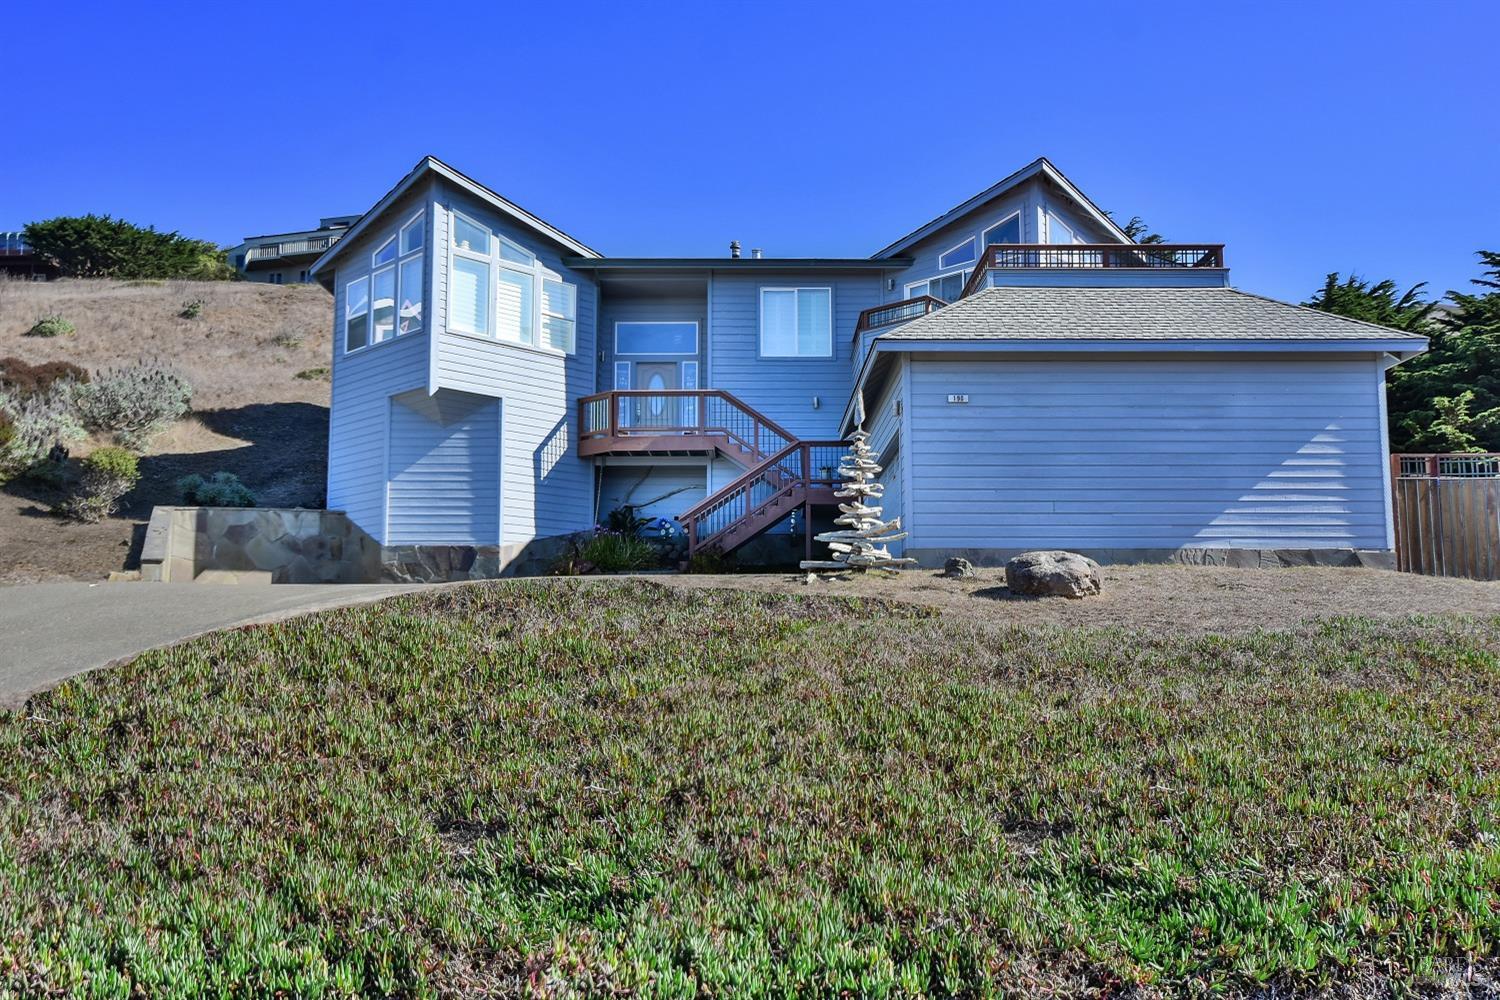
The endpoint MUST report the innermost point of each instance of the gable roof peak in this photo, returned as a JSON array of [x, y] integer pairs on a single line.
[[1039, 167]]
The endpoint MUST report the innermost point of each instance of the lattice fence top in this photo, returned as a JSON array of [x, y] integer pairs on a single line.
[[1456, 465]]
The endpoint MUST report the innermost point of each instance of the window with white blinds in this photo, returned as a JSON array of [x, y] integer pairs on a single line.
[[530, 304], [796, 322]]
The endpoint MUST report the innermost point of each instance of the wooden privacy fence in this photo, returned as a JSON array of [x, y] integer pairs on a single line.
[[1447, 511]]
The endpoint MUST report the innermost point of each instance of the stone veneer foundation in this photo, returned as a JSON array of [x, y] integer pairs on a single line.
[[281, 545]]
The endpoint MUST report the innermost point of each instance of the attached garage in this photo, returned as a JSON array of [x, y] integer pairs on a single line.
[[1136, 423], [443, 470]]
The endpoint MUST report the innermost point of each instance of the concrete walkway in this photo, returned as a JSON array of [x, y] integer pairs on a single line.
[[51, 631]]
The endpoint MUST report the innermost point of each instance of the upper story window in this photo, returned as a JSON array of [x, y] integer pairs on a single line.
[[947, 287], [964, 253], [1059, 231], [497, 288], [1005, 231], [656, 338], [796, 322], [388, 303]]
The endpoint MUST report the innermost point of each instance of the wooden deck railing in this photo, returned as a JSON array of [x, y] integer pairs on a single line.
[[1148, 256], [270, 251], [679, 413], [896, 312], [799, 465]]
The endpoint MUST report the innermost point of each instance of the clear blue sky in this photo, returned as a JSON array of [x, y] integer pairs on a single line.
[[1308, 137]]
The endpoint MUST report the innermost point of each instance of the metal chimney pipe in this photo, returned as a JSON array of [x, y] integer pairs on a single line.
[[757, 253], [734, 249]]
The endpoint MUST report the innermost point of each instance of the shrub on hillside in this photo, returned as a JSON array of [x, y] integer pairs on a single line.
[[97, 246], [191, 309], [24, 380], [134, 404], [51, 326], [38, 423], [222, 489], [108, 474]]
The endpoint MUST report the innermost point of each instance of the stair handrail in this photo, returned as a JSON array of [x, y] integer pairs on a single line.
[[744, 479], [725, 494]]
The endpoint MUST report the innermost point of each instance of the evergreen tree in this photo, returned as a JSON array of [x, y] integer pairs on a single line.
[[97, 246]]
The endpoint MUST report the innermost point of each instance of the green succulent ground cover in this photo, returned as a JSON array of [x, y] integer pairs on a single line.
[[620, 787]]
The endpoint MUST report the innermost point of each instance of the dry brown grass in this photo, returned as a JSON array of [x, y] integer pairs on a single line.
[[252, 415], [234, 353], [1168, 599]]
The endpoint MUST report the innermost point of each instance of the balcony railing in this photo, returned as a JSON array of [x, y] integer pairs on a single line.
[[13, 245], [290, 248], [896, 312], [1138, 256]]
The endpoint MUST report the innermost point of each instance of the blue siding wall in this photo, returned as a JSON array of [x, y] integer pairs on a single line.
[[1246, 452], [678, 486], [884, 425], [783, 388], [635, 308], [444, 470], [548, 489], [363, 383]]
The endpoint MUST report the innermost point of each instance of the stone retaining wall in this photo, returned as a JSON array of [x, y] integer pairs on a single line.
[[284, 545]]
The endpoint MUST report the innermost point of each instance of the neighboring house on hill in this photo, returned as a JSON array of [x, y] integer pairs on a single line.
[[286, 258], [18, 260], [1032, 379]]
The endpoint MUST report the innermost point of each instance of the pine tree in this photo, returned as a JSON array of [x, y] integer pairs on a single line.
[[861, 543]]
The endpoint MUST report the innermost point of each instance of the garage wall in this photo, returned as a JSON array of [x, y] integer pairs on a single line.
[[1148, 453]]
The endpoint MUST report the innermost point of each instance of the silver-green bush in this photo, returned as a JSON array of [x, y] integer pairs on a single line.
[[135, 403], [37, 423], [222, 489]]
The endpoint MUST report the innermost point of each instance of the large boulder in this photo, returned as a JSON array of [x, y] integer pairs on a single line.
[[1055, 573]]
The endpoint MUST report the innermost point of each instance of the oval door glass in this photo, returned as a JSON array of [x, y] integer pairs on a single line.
[[657, 383]]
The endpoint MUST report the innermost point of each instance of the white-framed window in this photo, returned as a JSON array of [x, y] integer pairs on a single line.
[[796, 322], [947, 287], [963, 253], [390, 298], [357, 314], [1007, 230], [497, 288], [654, 338]]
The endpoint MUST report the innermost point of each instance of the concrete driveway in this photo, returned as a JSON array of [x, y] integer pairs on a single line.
[[51, 631]]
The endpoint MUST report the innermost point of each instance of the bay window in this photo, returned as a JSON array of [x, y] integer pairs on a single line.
[[499, 289], [796, 322], [388, 302]]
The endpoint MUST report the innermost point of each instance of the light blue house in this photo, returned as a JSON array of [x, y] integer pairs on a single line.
[[1033, 379]]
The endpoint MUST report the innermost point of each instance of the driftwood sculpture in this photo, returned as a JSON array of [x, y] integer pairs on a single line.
[[861, 543]]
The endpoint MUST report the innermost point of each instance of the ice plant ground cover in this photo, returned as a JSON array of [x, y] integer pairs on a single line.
[[560, 786]]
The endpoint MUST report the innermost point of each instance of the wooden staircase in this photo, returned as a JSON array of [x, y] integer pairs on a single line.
[[799, 476], [782, 472]]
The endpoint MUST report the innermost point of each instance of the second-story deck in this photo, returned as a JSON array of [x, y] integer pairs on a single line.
[[309, 247]]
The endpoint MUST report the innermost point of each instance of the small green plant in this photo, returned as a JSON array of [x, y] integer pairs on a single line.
[[134, 404], [625, 521], [191, 309], [320, 374], [52, 325], [108, 474], [613, 552], [222, 489], [287, 340]]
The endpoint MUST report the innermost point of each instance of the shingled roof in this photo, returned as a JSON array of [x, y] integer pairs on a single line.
[[1136, 314]]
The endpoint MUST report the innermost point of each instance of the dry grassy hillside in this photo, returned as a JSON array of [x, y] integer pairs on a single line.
[[251, 415]]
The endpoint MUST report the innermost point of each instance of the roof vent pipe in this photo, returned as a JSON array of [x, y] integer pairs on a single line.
[[757, 253], [734, 249]]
